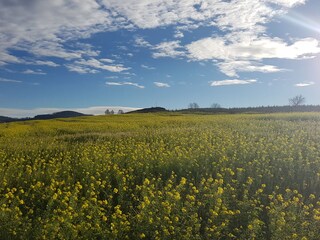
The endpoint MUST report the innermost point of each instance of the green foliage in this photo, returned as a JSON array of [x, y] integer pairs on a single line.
[[161, 176]]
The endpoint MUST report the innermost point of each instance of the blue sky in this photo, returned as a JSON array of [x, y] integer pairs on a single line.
[[86, 55]]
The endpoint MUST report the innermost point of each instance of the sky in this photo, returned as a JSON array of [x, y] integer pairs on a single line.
[[92, 54]]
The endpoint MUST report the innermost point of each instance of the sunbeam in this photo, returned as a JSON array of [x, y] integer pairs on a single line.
[[303, 21]]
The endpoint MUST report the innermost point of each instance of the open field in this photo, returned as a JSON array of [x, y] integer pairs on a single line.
[[161, 176]]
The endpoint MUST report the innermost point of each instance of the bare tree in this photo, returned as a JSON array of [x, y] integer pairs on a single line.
[[193, 105], [215, 105], [297, 100]]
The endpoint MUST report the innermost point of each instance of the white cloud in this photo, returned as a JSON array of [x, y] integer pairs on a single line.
[[80, 69], [111, 77], [178, 34], [45, 63], [5, 57], [248, 47], [141, 42], [9, 80], [125, 84], [164, 49], [288, 3], [50, 28], [147, 67], [304, 84], [95, 63], [36, 72], [161, 85], [168, 49], [151, 14], [231, 82], [244, 52], [107, 60], [43, 28], [230, 68], [129, 73]]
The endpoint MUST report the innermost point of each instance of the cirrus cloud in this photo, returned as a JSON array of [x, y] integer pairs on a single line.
[[231, 82], [5, 80], [161, 85], [304, 84], [125, 84]]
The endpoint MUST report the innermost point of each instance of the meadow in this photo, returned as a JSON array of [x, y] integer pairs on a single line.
[[161, 176]]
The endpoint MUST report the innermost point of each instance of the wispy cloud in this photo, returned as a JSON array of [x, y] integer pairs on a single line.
[[304, 84], [231, 82], [178, 34], [9, 80], [231, 68], [147, 67], [125, 84], [80, 69], [95, 63], [107, 60], [42, 63], [161, 85], [35, 72], [46, 63], [141, 42], [111, 77], [168, 49]]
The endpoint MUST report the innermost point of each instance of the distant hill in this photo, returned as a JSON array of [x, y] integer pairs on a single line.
[[6, 119], [63, 114], [150, 110]]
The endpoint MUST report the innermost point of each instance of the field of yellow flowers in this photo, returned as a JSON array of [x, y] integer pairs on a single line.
[[161, 176]]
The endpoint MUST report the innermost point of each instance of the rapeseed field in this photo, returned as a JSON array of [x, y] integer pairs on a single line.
[[161, 176]]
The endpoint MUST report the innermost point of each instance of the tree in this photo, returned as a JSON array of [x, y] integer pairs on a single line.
[[215, 105], [120, 111], [107, 112], [193, 105], [111, 112], [297, 100]]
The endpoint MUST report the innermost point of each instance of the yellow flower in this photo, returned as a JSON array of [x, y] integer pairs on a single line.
[[183, 181], [142, 235], [220, 190]]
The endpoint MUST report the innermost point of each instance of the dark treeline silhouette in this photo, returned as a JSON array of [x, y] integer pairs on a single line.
[[261, 109]]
